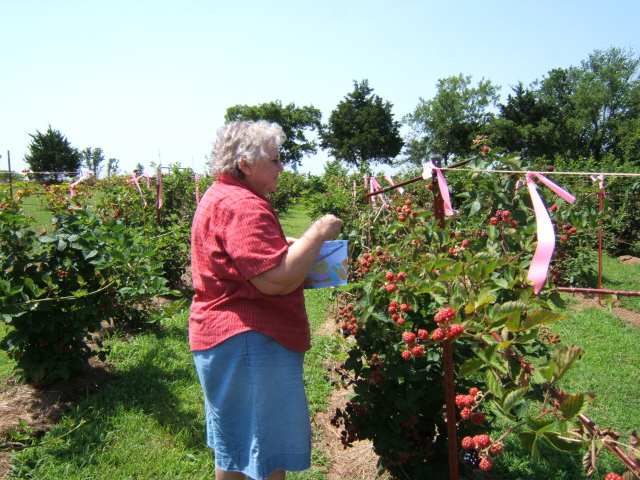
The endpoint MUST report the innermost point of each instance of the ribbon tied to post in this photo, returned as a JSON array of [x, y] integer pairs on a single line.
[[546, 235], [429, 168]]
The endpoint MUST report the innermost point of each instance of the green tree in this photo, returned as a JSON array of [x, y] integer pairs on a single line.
[[361, 130], [447, 124], [52, 152], [579, 112], [92, 159], [112, 167], [295, 121]]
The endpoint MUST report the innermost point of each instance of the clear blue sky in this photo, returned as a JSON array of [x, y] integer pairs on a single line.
[[150, 81]]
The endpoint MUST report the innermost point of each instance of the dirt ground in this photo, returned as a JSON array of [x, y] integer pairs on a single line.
[[43, 408]]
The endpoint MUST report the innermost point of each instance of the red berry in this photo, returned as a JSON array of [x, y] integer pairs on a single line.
[[506, 214], [402, 218], [430, 186], [554, 208], [402, 276], [390, 287], [493, 221], [437, 335], [465, 413], [564, 238], [390, 276], [612, 476], [473, 391], [349, 307], [485, 149], [468, 443], [496, 449], [455, 331], [392, 309], [398, 209], [460, 400], [482, 441], [465, 243], [406, 354], [401, 321], [404, 307], [418, 351], [407, 203], [478, 418], [409, 337], [485, 464], [572, 230], [550, 168], [423, 334], [514, 224]]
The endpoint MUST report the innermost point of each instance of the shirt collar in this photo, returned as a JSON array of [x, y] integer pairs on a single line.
[[239, 182]]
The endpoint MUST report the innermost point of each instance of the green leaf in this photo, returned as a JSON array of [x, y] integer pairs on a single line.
[[470, 366], [494, 383], [544, 373], [565, 357], [573, 405], [540, 425], [539, 317], [529, 442], [562, 444], [47, 239], [527, 337], [512, 398], [62, 245]]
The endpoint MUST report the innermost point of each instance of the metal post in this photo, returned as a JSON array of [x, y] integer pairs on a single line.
[[10, 178], [447, 357]]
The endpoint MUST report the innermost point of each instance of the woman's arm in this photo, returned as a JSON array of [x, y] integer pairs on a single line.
[[297, 261]]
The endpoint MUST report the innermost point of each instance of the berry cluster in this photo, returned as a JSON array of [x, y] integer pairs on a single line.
[[349, 324], [405, 211], [469, 407], [568, 231], [480, 450], [369, 260], [413, 341], [503, 216], [446, 329], [396, 310]]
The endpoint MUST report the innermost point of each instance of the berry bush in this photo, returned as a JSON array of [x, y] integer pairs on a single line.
[[417, 284], [58, 288]]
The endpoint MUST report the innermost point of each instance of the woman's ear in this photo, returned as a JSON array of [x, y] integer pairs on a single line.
[[244, 166]]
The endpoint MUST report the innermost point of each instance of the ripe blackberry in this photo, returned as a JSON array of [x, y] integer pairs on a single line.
[[471, 458]]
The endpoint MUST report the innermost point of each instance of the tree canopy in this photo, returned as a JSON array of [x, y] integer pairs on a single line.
[[52, 152], [92, 159], [447, 124], [361, 130], [295, 121], [579, 112]]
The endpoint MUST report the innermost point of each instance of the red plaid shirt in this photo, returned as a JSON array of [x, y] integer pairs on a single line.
[[235, 236]]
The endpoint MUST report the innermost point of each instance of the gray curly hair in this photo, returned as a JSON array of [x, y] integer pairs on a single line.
[[246, 140]]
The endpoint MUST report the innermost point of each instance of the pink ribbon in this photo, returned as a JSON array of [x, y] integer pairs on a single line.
[[159, 191], [86, 175], [599, 178], [546, 236], [388, 178], [135, 179], [197, 189], [442, 185], [374, 187]]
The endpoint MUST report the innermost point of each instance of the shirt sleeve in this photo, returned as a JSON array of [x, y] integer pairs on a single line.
[[253, 239]]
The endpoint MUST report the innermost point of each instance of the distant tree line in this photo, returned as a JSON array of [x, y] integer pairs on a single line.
[[586, 112]]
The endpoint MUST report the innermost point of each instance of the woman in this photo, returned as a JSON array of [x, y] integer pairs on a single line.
[[248, 328]]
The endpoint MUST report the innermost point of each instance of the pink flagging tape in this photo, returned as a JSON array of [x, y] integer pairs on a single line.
[[539, 267], [159, 202], [375, 186], [442, 186], [135, 179], [86, 175], [388, 178]]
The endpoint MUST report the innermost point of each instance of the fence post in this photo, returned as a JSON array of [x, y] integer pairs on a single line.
[[447, 358]]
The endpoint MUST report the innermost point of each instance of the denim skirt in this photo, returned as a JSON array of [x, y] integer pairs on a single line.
[[257, 415]]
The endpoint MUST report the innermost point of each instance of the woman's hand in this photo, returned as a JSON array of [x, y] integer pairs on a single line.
[[295, 264]]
